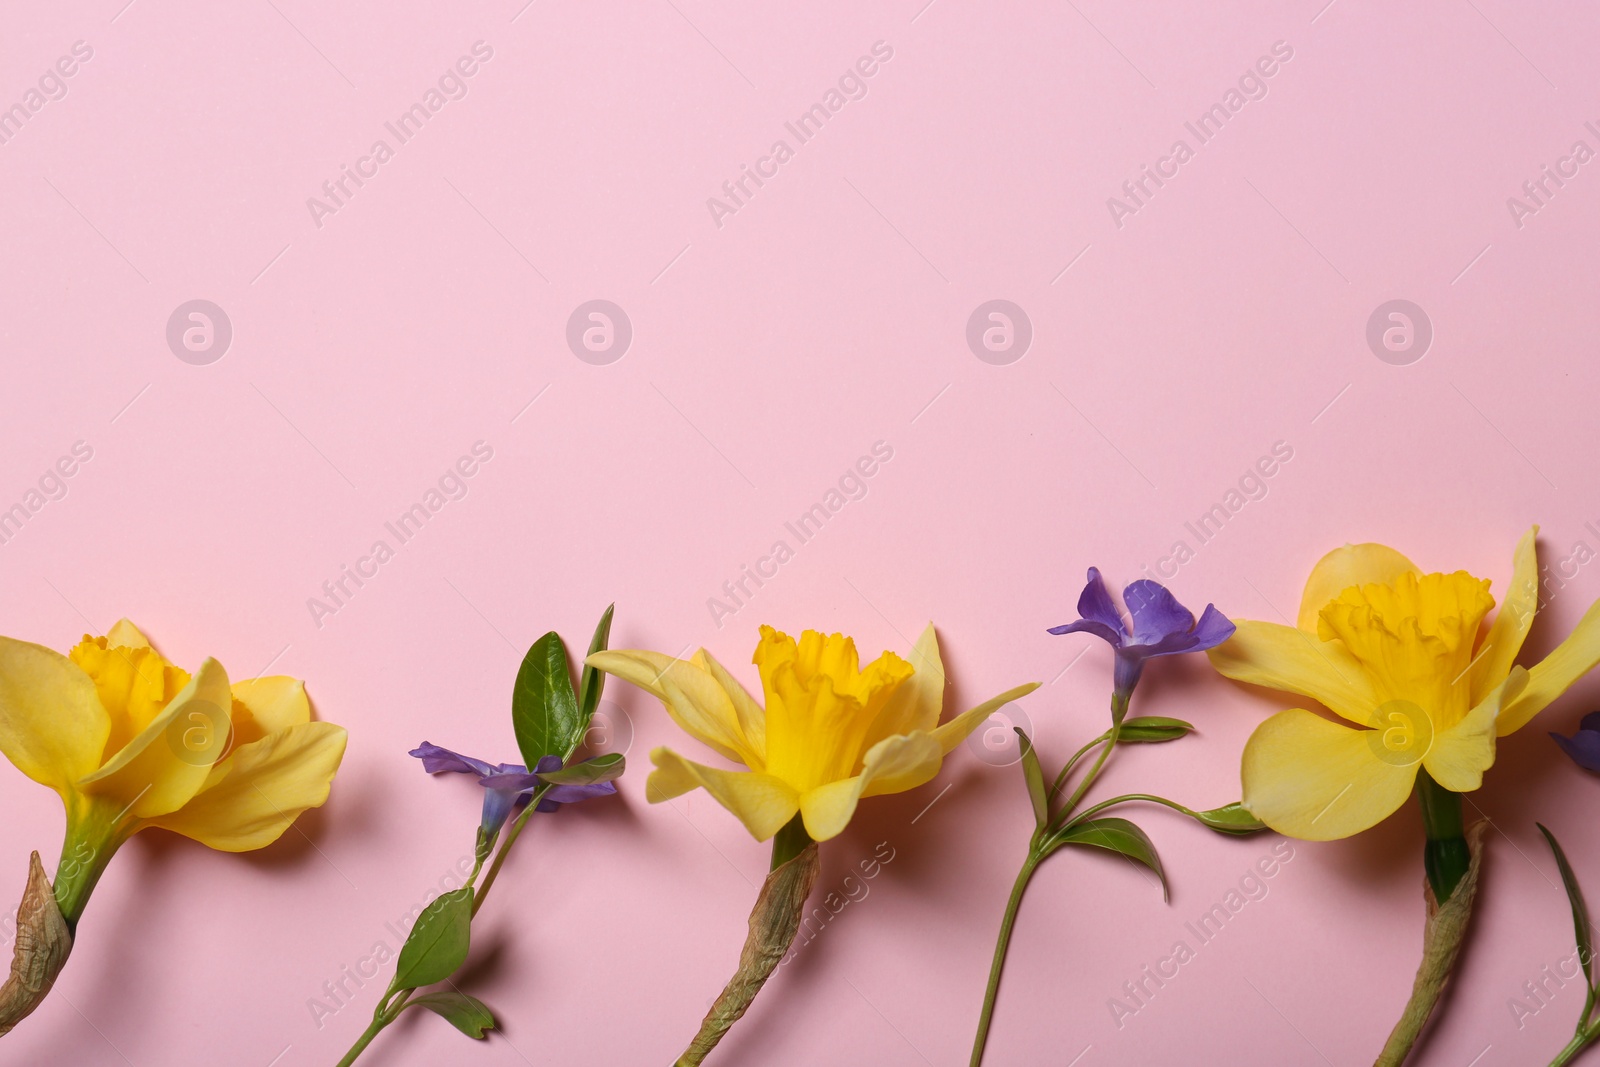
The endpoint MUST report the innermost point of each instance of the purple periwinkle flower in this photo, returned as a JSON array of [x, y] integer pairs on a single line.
[[508, 786], [1583, 746], [1161, 627]]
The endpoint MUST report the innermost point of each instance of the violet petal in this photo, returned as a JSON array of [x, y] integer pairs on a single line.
[[436, 760]]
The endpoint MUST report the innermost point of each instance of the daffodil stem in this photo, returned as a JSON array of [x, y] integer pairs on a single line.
[[1001, 947], [1445, 856], [94, 833], [789, 842]]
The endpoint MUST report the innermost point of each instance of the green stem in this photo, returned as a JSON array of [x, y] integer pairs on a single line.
[[1061, 779], [1579, 1042], [1094, 772], [394, 1001], [789, 842], [378, 1023], [1002, 945], [505, 848], [1104, 804], [1445, 856], [95, 830]]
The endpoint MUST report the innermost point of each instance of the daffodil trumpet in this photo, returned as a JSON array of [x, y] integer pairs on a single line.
[[551, 721], [1158, 626], [831, 733], [1420, 684], [129, 742]]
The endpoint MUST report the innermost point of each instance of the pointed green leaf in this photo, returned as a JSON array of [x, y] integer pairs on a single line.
[[591, 681], [544, 711], [1153, 728], [1033, 774], [467, 1014], [1118, 835], [1580, 910], [606, 768], [1232, 818], [438, 942]]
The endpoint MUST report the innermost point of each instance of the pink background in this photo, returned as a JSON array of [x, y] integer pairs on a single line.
[[828, 313]]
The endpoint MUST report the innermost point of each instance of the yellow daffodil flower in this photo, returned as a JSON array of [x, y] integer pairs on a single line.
[[130, 741], [831, 733], [1405, 658]]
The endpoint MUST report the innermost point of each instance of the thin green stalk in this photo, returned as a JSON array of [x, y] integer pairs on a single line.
[[1580, 1041], [1587, 1032], [372, 1031], [1038, 849], [394, 1001], [1089, 779], [1104, 804], [1002, 945], [505, 848], [1061, 779]]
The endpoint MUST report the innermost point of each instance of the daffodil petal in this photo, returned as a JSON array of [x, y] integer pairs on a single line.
[[1551, 676], [253, 796], [1511, 623], [1283, 657], [263, 706], [893, 765], [916, 702], [167, 762], [126, 635], [1345, 566], [1317, 780], [1462, 753], [752, 719], [52, 724], [957, 729], [690, 694], [761, 801]]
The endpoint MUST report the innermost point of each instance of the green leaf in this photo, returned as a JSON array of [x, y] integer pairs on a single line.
[[1580, 910], [467, 1014], [1153, 728], [1118, 835], [438, 943], [1232, 818], [1033, 774], [591, 681], [544, 712], [606, 768]]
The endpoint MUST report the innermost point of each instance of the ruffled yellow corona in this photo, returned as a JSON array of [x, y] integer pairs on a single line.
[[830, 734], [130, 741], [1407, 660]]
